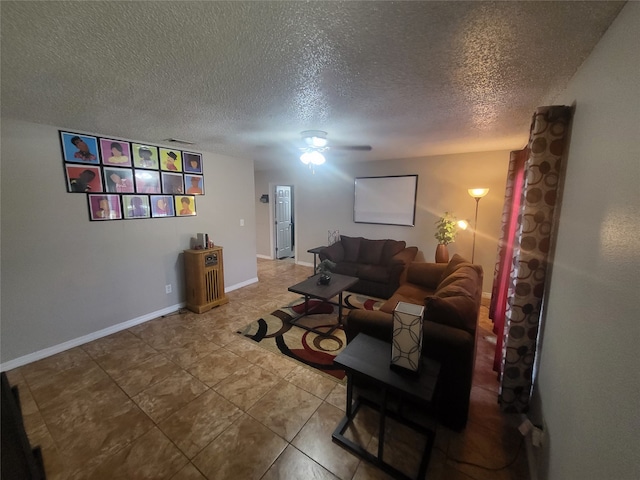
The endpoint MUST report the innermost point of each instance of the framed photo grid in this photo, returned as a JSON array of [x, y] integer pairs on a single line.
[[131, 180]]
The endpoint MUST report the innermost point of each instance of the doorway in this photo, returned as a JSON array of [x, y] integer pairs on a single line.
[[284, 221]]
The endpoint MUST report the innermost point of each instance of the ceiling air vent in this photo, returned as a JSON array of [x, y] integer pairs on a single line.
[[177, 140]]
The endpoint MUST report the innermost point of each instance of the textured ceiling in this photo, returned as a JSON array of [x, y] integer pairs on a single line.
[[245, 78]]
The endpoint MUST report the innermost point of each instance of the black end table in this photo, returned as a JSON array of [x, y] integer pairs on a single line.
[[315, 251], [369, 357]]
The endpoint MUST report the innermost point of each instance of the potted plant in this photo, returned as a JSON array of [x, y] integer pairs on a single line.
[[446, 231], [324, 269]]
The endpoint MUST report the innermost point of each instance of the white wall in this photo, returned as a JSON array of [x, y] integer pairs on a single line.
[[324, 201], [64, 277], [589, 378]]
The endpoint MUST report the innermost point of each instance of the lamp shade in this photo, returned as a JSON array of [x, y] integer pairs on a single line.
[[478, 192], [315, 158]]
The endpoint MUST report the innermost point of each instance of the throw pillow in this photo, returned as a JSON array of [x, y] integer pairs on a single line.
[[453, 265], [457, 312], [351, 247], [334, 252], [371, 251], [465, 276], [391, 248]]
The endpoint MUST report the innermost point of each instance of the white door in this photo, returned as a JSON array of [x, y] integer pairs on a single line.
[[284, 223]]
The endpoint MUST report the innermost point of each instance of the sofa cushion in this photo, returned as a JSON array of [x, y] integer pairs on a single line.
[[371, 251], [334, 252], [453, 265], [458, 311], [425, 274], [465, 277], [346, 268], [351, 247], [373, 273], [391, 248]]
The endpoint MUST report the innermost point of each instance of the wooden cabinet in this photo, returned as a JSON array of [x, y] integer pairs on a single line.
[[204, 275]]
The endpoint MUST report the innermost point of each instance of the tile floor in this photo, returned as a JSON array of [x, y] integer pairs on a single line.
[[182, 397]]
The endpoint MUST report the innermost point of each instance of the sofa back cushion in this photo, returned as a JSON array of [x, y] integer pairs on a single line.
[[457, 311], [371, 251], [391, 248], [453, 265], [351, 247], [425, 274], [334, 252]]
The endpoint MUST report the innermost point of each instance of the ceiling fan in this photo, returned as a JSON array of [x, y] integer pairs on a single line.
[[316, 142]]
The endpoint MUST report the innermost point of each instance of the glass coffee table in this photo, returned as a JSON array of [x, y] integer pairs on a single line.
[[368, 358], [310, 288]]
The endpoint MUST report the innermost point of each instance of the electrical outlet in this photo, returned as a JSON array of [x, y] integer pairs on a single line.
[[242, 222], [167, 288]]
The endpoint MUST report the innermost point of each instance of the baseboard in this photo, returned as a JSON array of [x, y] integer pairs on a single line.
[[240, 285], [305, 264], [47, 352], [265, 257], [486, 295], [531, 458]]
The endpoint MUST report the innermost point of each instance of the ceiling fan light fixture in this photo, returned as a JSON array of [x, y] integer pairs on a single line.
[[314, 158], [315, 138]]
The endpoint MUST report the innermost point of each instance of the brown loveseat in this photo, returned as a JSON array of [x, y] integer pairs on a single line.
[[378, 264], [451, 294]]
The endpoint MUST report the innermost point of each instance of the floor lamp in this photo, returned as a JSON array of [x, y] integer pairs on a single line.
[[476, 193]]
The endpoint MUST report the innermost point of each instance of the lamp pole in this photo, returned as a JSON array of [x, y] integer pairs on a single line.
[[475, 224], [477, 194]]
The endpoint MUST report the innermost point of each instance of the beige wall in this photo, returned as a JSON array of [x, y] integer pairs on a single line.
[[324, 201], [65, 279], [588, 387]]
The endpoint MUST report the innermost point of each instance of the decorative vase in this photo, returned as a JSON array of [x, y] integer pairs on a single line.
[[442, 253]]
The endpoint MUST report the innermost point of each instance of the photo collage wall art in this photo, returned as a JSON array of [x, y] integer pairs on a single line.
[[129, 180]]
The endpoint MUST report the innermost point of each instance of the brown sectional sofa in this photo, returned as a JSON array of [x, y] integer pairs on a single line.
[[378, 264], [451, 294]]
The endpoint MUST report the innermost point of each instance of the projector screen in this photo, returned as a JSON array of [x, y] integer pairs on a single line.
[[386, 200]]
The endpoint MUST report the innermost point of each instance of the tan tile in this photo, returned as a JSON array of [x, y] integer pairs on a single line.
[[118, 352], [162, 399], [194, 426], [188, 472], [227, 457], [151, 457], [305, 378], [88, 406], [314, 440], [87, 444], [274, 363], [190, 352], [295, 465], [43, 369], [62, 387], [217, 366], [403, 447], [480, 445], [338, 396], [143, 375], [245, 387], [285, 409], [368, 471]]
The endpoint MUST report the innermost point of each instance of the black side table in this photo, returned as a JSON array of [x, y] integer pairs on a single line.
[[369, 357], [315, 251]]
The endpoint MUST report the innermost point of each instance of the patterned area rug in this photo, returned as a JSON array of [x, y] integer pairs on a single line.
[[274, 331]]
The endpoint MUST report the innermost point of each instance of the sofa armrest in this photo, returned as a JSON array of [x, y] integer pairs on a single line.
[[399, 263], [425, 274], [374, 323], [334, 252], [455, 350]]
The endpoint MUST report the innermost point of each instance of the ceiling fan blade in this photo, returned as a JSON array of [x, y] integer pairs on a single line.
[[362, 148]]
